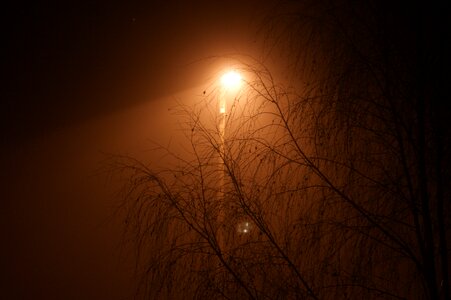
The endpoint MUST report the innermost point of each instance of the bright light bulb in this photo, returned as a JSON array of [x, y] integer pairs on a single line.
[[231, 79]]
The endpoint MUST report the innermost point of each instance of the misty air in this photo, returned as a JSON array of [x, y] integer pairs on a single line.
[[199, 149]]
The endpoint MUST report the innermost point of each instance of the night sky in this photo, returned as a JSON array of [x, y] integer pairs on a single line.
[[85, 80], [81, 80]]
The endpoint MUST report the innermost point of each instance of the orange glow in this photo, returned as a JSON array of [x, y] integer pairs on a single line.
[[231, 80]]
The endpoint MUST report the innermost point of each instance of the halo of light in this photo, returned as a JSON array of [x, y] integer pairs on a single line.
[[231, 79]]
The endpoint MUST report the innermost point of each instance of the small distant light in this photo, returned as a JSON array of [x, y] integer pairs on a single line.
[[231, 79], [244, 227]]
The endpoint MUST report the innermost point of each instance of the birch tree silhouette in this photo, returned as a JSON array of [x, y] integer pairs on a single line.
[[335, 184]]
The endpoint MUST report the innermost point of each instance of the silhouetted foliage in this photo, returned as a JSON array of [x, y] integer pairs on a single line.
[[332, 182]]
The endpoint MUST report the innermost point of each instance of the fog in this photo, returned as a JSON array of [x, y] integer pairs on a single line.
[[85, 82], [64, 240], [335, 157]]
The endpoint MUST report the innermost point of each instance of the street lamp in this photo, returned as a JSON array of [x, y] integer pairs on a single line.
[[230, 82]]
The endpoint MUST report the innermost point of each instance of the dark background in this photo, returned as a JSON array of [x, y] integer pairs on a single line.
[[81, 79], [71, 61]]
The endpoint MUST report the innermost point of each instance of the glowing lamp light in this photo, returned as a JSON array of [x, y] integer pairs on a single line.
[[231, 80], [244, 227]]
